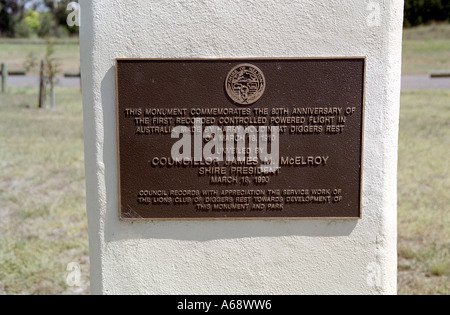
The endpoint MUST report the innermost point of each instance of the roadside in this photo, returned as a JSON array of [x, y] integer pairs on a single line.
[[42, 206], [32, 81], [426, 49], [421, 82], [423, 199], [409, 82], [43, 224]]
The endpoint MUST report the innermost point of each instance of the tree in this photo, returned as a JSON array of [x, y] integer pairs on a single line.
[[32, 19], [15, 21], [63, 13], [11, 12], [424, 11], [58, 9], [14, 7], [52, 5], [47, 25], [52, 68], [5, 21]]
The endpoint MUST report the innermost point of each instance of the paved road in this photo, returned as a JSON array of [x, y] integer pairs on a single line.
[[424, 82], [409, 82], [33, 81]]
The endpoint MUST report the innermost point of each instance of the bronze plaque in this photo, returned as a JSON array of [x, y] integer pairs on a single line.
[[308, 113]]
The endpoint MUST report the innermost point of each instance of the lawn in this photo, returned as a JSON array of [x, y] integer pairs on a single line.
[[42, 198], [43, 223], [14, 52], [423, 200], [426, 49]]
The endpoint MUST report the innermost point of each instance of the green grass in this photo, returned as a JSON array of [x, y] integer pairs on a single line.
[[14, 52], [424, 57], [42, 203], [424, 202], [40, 41], [426, 49], [42, 198]]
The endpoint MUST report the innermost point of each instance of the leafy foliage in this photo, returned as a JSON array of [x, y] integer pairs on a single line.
[[43, 18], [424, 11], [31, 18]]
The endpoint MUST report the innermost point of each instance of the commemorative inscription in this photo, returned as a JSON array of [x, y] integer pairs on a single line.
[[240, 139]]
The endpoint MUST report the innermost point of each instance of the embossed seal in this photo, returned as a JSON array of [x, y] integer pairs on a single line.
[[245, 84]]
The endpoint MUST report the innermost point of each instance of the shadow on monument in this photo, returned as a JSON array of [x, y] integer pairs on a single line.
[[191, 230]]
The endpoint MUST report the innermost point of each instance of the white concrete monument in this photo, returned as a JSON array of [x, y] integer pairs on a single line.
[[224, 254]]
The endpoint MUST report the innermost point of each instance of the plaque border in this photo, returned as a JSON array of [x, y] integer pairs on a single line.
[[247, 59]]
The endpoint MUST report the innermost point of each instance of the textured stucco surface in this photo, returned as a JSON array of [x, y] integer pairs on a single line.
[[242, 257]]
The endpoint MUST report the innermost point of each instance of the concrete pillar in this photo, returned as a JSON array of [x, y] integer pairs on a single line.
[[254, 256]]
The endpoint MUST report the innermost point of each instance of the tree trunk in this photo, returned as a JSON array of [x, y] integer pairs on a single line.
[[42, 86], [55, 16]]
